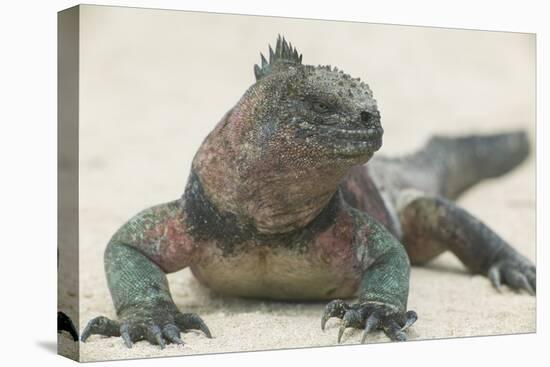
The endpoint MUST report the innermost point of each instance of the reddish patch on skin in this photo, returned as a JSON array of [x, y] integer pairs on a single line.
[[361, 193], [335, 247], [161, 236], [177, 247]]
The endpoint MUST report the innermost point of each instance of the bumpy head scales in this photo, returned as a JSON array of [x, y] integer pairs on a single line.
[[283, 56], [318, 107]]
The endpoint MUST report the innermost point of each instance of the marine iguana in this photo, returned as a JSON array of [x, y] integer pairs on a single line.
[[280, 204]]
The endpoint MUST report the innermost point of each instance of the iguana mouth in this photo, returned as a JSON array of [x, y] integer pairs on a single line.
[[369, 134], [347, 142], [361, 134], [357, 148], [356, 142]]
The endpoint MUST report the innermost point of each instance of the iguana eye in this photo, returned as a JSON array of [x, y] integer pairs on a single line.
[[320, 107]]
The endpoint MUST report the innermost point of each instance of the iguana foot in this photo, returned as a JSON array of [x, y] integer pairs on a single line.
[[515, 271], [369, 316], [158, 327]]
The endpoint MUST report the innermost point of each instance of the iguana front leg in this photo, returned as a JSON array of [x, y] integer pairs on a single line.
[[137, 258], [382, 302], [433, 224]]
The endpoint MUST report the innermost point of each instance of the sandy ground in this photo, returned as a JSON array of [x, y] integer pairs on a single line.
[[154, 83]]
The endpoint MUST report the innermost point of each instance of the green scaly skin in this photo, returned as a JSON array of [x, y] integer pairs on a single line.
[[135, 265]]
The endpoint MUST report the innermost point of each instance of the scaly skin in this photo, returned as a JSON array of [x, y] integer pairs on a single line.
[[279, 205]]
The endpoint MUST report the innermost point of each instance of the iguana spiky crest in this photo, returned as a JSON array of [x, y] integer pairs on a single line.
[[283, 56]]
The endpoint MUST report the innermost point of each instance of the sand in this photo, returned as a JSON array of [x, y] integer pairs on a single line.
[[146, 105]]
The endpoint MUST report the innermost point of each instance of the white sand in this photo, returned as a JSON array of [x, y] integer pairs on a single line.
[[154, 83]]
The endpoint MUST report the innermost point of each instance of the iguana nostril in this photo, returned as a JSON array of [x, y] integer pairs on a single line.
[[366, 116]]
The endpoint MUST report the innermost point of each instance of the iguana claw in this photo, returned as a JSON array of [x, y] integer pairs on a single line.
[[515, 271], [369, 316], [136, 329], [335, 308], [370, 325]]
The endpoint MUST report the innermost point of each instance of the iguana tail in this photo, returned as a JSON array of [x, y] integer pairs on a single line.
[[459, 163]]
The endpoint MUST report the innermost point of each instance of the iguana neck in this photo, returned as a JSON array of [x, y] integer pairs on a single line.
[[270, 193]]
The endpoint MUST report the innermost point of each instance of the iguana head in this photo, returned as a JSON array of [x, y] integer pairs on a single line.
[[291, 137], [322, 109]]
